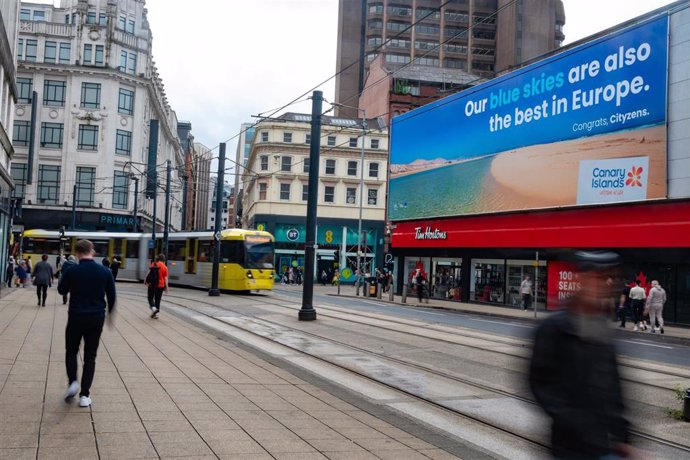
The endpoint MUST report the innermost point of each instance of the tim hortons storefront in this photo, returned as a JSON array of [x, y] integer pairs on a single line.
[[483, 259]]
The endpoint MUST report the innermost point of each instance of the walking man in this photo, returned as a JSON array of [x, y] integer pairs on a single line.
[[69, 263], [42, 277], [157, 282], [115, 267], [637, 301], [92, 289], [655, 305], [574, 375]]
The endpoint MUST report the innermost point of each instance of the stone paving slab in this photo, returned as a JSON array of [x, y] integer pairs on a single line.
[[167, 389]]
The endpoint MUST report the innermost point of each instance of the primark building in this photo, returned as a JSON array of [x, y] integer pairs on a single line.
[[585, 148]]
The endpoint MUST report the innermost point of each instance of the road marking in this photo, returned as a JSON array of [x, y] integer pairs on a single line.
[[647, 344], [502, 322]]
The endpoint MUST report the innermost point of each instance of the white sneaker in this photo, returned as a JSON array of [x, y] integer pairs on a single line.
[[154, 310], [72, 390], [636, 328], [84, 401]]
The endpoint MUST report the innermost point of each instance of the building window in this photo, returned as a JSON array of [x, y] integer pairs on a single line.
[[120, 190], [264, 136], [351, 168], [48, 184], [287, 138], [284, 191], [128, 62], [430, 29], [374, 24], [50, 54], [86, 58], [54, 93], [122, 22], [65, 51], [20, 49], [24, 87], [102, 19], [90, 95], [51, 135], [397, 59], [305, 192], [86, 182], [88, 137], [264, 162], [373, 170], [130, 26], [18, 172], [125, 102], [330, 166], [353, 142], [350, 195], [427, 61], [99, 55], [305, 165], [91, 17], [39, 15], [329, 194], [373, 196], [20, 133], [123, 142], [25, 14], [263, 191], [286, 164], [331, 141], [31, 50], [307, 139], [374, 143]]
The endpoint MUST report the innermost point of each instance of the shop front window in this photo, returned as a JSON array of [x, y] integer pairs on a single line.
[[488, 281], [517, 270], [446, 279]]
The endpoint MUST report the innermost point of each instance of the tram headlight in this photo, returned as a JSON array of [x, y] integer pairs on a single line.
[[249, 274]]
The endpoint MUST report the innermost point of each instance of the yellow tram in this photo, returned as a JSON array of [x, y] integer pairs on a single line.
[[246, 256]]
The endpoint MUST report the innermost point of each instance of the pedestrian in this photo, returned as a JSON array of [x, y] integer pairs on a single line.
[[42, 278], [70, 262], [58, 265], [115, 267], [526, 292], [637, 301], [324, 277], [106, 262], [9, 271], [22, 274], [92, 290], [420, 282], [655, 306], [157, 282], [336, 277], [573, 371], [624, 304], [291, 275], [29, 265]]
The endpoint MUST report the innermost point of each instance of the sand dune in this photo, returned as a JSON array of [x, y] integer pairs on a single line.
[[546, 175]]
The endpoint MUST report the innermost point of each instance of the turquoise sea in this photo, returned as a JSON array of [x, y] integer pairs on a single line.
[[446, 191]]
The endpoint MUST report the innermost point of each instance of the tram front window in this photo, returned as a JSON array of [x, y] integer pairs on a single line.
[[259, 250]]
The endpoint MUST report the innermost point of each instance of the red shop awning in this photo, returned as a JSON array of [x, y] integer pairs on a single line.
[[661, 224]]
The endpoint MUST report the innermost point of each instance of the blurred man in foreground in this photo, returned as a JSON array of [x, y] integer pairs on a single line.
[[574, 374]]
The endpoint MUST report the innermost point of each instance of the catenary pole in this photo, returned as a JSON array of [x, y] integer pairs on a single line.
[[136, 202], [220, 188], [153, 228], [307, 312], [74, 207], [166, 227]]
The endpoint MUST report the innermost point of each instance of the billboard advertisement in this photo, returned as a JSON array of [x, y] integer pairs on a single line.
[[585, 126]]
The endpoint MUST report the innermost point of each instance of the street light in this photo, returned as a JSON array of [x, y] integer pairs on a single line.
[[361, 192]]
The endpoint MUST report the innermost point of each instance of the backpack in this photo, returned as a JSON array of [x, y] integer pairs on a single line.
[[153, 276]]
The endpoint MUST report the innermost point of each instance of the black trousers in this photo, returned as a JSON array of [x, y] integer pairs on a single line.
[[90, 328], [42, 292], [155, 294]]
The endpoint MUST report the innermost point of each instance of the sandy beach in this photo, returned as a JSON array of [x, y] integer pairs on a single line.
[[546, 175]]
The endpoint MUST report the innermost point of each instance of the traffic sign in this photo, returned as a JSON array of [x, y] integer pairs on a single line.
[[329, 237], [216, 236], [388, 258]]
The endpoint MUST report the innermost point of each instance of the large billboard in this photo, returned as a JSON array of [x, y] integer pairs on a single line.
[[585, 126]]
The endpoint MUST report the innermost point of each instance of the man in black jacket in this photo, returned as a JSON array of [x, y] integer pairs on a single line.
[[89, 284], [574, 374]]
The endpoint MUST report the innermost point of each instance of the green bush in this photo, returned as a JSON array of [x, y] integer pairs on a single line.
[[680, 396]]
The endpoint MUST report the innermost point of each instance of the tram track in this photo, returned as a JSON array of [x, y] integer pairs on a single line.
[[459, 380]]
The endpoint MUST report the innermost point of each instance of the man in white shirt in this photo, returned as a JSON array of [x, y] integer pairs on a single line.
[[526, 292], [637, 301]]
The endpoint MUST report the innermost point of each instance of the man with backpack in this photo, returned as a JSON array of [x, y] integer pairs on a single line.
[[157, 282]]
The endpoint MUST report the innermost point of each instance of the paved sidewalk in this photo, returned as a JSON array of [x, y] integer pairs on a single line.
[[482, 309], [166, 389]]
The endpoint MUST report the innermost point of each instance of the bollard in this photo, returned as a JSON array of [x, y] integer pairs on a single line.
[[390, 293], [404, 293], [357, 287], [366, 289], [379, 288], [338, 287], [686, 406]]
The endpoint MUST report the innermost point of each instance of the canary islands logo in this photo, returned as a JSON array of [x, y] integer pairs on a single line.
[[618, 179]]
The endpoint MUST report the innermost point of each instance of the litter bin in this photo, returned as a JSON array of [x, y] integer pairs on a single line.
[[372, 290]]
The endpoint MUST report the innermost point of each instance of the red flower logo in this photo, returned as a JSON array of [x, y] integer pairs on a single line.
[[634, 177]]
